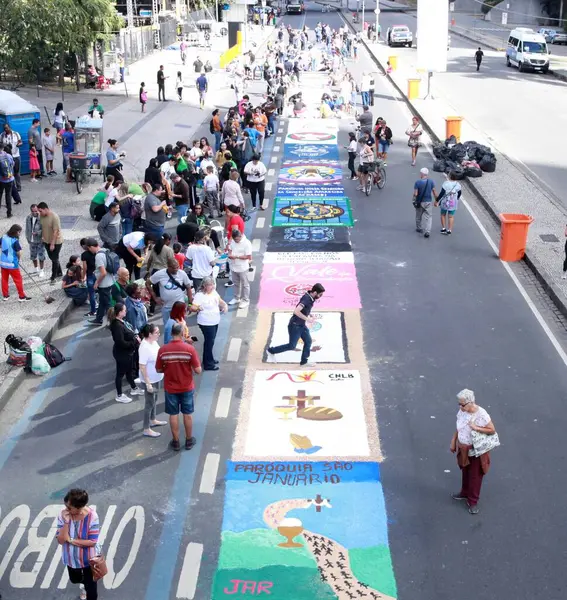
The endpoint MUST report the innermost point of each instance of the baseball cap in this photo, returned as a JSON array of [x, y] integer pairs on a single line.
[[424, 171]]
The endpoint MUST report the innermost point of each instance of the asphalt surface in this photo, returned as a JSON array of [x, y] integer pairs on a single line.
[[438, 315]]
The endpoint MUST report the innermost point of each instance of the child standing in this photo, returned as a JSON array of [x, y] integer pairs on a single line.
[[34, 163], [179, 256], [179, 85], [49, 148], [143, 96], [211, 188]]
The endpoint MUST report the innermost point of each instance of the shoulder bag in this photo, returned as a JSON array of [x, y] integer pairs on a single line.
[[483, 443], [180, 286]]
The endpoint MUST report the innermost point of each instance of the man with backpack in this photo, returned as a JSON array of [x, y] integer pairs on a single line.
[[107, 264], [423, 191], [6, 179]]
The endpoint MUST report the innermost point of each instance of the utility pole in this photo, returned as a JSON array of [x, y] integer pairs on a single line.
[[377, 11], [362, 24], [155, 24], [130, 13]]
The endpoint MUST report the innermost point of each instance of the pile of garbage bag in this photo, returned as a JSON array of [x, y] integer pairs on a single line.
[[469, 159]]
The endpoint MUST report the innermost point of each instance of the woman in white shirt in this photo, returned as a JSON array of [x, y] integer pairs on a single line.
[[255, 172], [231, 192], [149, 377], [179, 85], [470, 417], [208, 305], [352, 147]]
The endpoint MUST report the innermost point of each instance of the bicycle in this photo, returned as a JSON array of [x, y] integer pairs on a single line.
[[376, 176]]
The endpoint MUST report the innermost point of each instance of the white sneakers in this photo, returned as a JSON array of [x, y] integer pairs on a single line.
[[234, 301], [244, 304], [41, 273], [123, 399], [271, 358], [137, 392]]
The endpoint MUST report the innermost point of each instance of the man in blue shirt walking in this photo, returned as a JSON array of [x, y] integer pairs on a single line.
[[423, 191], [202, 88]]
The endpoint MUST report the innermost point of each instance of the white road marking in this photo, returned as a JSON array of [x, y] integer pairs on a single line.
[[252, 274], [279, 138], [187, 585], [276, 149], [280, 130], [274, 159], [242, 313], [223, 403], [266, 203], [209, 476], [268, 186], [234, 350], [271, 172], [256, 245], [260, 222]]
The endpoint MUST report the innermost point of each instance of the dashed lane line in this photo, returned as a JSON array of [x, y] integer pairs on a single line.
[[209, 475], [234, 350], [223, 402]]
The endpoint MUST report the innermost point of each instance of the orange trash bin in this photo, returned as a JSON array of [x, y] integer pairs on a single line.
[[453, 127], [513, 236]]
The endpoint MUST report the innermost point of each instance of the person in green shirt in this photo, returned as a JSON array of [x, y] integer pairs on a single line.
[[96, 106]]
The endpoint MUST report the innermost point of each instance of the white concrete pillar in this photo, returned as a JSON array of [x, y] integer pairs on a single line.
[[432, 34]]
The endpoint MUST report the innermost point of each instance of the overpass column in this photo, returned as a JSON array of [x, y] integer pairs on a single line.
[[432, 35]]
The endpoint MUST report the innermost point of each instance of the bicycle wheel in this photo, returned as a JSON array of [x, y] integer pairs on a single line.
[[368, 184], [79, 182], [382, 181]]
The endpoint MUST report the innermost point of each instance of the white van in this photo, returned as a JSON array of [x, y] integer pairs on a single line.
[[528, 50]]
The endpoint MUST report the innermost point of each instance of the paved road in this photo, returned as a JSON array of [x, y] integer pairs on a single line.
[[438, 315]]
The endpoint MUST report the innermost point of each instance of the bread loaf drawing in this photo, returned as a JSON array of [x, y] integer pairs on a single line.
[[317, 413]]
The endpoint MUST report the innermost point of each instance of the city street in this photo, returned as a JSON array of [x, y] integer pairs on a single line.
[[437, 315]]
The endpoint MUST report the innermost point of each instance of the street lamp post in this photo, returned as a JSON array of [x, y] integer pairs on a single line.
[[377, 11], [362, 24]]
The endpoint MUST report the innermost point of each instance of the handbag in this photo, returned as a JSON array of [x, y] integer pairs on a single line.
[[483, 443], [98, 567], [417, 201]]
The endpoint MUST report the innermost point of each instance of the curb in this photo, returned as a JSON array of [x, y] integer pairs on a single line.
[[17, 375], [552, 290]]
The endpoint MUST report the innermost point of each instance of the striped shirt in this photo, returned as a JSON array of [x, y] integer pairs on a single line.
[[177, 361], [77, 557]]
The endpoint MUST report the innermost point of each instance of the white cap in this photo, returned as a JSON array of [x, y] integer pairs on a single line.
[[424, 171]]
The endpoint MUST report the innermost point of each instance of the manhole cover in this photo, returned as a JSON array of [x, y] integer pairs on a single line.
[[68, 222], [549, 237]]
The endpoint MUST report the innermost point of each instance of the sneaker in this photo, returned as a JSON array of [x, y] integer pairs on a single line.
[[6, 298], [271, 358], [354, 178], [90, 314], [426, 234], [94, 322], [41, 273], [137, 381], [443, 230], [244, 304], [458, 496], [123, 399], [308, 363], [189, 443], [413, 163], [419, 230], [449, 232], [175, 445], [229, 283], [360, 188], [564, 276], [136, 392], [234, 301], [24, 299], [82, 592], [473, 508]]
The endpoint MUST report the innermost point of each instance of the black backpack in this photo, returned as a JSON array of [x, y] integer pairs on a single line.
[[53, 355], [18, 347], [225, 171]]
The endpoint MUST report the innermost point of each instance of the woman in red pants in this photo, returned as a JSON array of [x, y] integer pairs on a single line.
[[470, 417], [10, 263]]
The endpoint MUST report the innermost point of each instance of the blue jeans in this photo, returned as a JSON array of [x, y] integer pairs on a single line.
[[218, 140], [90, 288], [127, 226], [209, 335], [179, 402], [165, 312], [272, 124], [182, 211], [157, 232], [295, 333], [103, 303], [365, 98]]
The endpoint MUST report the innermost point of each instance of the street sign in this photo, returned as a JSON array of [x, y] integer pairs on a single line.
[[504, 18], [145, 13]]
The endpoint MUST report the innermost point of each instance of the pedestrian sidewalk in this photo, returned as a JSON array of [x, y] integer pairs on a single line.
[[139, 135], [511, 189]]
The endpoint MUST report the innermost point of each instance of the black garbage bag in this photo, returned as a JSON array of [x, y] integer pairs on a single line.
[[488, 163], [476, 151], [451, 165], [473, 172], [450, 141], [458, 173], [439, 165], [458, 153], [440, 151]]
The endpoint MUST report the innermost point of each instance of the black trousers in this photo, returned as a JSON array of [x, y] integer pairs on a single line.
[[84, 576], [6, 190], [40, 160], [256, 188], [115, 172], [161, 91], [124, 368], [351, 157], [53, 256], [131, 262], [17, 165], [565, 260]]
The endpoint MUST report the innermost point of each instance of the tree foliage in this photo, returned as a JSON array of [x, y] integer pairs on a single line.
[[35, 36]]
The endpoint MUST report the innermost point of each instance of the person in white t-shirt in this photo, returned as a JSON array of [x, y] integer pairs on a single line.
[[195, 151], [150, 378], [202, 259], [470, 417], [240, 255], [211, 192], [255, 172], [208, 305]]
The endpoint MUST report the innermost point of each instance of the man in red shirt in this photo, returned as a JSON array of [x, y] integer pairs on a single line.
[[177, 361]]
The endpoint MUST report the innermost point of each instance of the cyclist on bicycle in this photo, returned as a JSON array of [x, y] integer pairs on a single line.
[[366, 157]]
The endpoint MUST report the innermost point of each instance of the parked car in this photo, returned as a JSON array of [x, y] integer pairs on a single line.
[[553, 36], [399, 35]]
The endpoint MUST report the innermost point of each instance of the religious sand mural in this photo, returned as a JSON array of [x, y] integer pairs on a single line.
[[304, 515], [288, 532]]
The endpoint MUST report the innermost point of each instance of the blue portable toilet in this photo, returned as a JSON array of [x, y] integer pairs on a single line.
[[19, 114]]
